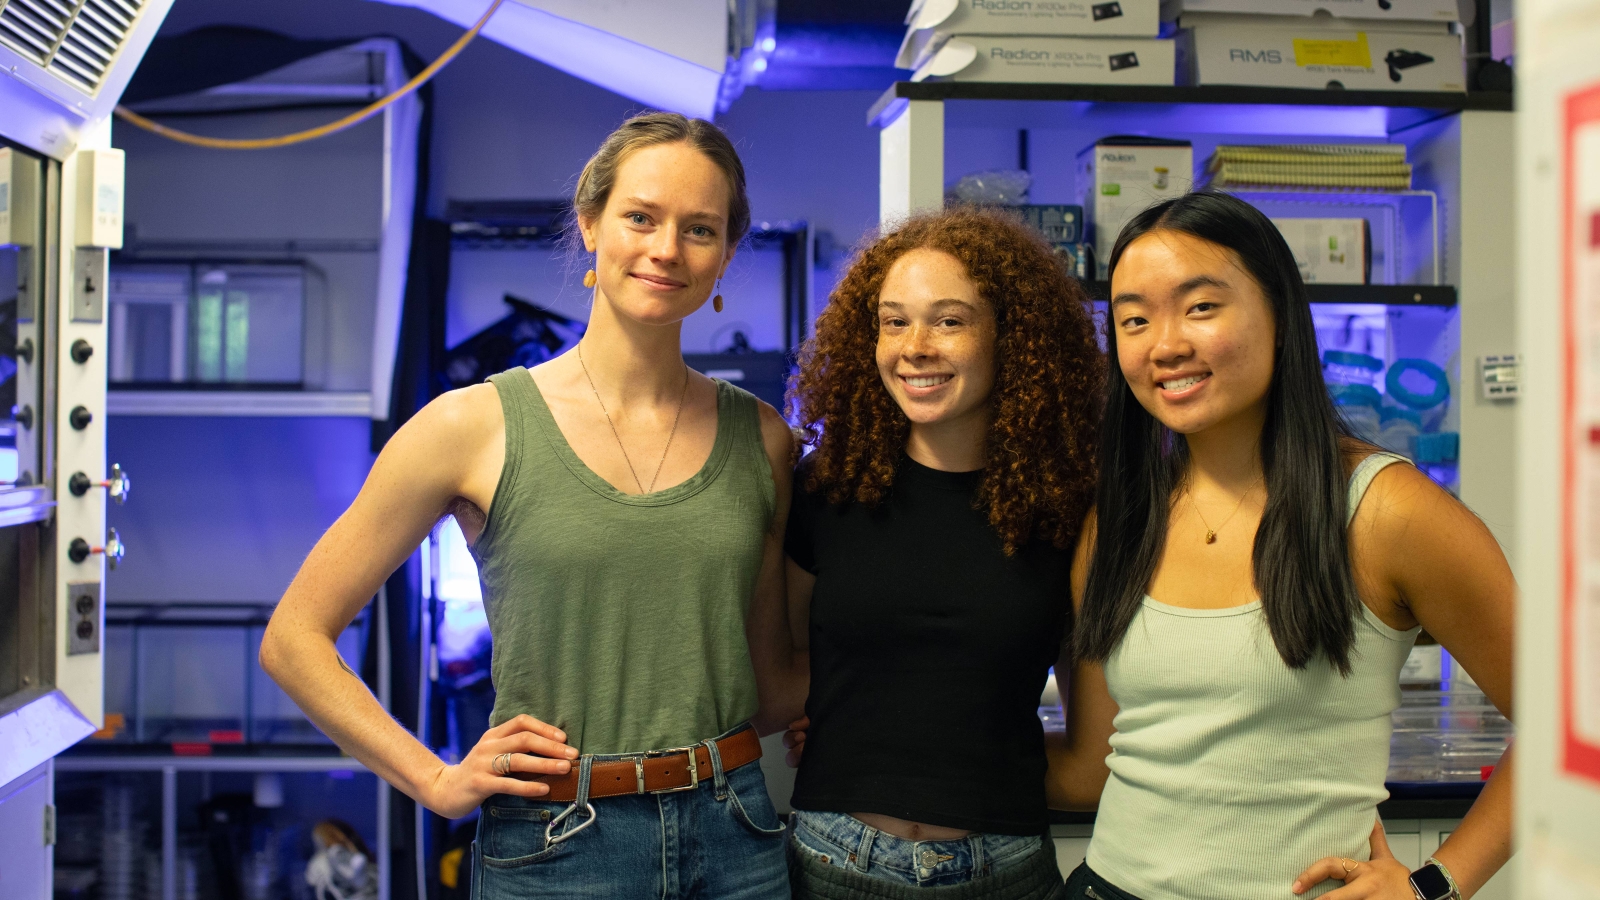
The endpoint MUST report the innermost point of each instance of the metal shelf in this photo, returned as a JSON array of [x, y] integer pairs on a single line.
[[1379, 294], [112, 762], [350, 404], [1432, 103]]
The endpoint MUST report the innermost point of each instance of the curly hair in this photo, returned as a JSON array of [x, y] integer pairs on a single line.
[[1039, 473]]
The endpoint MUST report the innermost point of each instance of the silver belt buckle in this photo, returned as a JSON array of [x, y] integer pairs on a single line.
[[694, 769]]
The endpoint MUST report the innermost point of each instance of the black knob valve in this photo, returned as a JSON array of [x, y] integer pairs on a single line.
[[25, 350], [81, 350], [117, 485], [80, 417], [79, 550], [25, 417]]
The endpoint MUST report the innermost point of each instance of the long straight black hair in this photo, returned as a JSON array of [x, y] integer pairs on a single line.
[[1301, 559]]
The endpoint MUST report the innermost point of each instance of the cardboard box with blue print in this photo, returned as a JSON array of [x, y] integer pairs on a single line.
[[1320, 52], [1372, 10], [1052, 60], [929, 23]]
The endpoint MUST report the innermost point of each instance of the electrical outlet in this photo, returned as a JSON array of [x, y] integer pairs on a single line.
[[83, 617], [89, 284]]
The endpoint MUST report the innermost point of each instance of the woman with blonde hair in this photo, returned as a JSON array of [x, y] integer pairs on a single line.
[[952, 391], [626, 514]]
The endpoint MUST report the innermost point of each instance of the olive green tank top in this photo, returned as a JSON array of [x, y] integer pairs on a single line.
[[620, 618]]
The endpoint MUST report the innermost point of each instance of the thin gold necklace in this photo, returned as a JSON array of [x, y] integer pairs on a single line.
[[1211, 533], [625, 458]]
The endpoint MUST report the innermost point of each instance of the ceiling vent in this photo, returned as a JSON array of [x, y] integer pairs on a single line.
[[77, 41], [69, 61]]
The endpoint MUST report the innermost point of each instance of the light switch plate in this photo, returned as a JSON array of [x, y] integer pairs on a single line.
[[89, 276]]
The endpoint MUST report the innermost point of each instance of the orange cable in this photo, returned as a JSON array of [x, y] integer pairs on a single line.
[[360, 115]]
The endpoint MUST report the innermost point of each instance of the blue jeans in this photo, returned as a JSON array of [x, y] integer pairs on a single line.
[[720, 841], [845, 842]]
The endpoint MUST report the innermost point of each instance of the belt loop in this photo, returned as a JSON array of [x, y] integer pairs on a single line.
[[864, 851], [719, 779], [580, 802], [976, 840], [585, 769]]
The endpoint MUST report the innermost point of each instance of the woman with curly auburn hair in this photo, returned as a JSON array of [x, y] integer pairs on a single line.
[[952, 391]]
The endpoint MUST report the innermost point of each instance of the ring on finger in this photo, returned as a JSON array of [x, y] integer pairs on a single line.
[[502, 764], [1349, 864]]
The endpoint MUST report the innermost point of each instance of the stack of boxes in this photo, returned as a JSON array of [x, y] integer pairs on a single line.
[[1038, 41], [1385, 45]]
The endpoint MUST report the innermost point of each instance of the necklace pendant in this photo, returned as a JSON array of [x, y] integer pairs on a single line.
[[1211, 537]]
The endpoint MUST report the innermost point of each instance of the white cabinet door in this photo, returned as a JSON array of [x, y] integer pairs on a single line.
[[26, 872]]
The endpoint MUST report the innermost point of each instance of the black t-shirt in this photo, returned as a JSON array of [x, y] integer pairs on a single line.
[[929, 649]]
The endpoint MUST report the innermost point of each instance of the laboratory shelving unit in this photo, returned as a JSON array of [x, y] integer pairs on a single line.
[[168, 742], [1460, 145], [169, 766]]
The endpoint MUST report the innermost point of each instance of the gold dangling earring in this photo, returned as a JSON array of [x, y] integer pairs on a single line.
[[716, 302], [589, 279]]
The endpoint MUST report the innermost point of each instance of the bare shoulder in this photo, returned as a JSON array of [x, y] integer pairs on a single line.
[[1400, 498], [464, 414], [777, 437], [1406, 525]]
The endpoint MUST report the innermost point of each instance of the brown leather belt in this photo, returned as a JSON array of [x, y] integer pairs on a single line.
[[656, 772]]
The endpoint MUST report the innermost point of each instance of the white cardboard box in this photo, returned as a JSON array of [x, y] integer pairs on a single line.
[[1052, 60], [1328, 251], [929, 23], [1119, 177], [1321, 52], [1372, 10]]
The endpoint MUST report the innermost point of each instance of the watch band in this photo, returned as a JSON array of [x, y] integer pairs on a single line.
[[1428, 886], [1455, 892]]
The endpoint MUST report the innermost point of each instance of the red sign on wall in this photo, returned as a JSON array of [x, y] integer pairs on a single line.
[[1580, 533]]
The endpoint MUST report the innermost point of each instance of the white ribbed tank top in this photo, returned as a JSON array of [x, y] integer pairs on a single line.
[[1230, 771]]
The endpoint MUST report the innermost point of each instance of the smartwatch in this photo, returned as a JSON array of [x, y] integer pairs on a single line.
[[1433, 882]]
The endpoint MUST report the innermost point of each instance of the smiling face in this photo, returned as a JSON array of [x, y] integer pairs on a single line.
[[1195, 333], [661, 242], [936, 340]]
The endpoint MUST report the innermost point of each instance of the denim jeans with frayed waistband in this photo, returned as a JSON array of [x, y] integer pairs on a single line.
[[720, 841], [844, 842]]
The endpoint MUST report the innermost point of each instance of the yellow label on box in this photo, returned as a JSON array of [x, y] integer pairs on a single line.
[[1309, 52]]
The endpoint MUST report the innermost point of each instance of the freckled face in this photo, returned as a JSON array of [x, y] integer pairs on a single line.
[[1195, 333], [936, 340], [661, 242]]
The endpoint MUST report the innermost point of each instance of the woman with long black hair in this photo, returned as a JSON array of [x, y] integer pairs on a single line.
[[1249, 586]]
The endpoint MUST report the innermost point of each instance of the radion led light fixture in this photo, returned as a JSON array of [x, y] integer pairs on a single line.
[[690, 56]]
